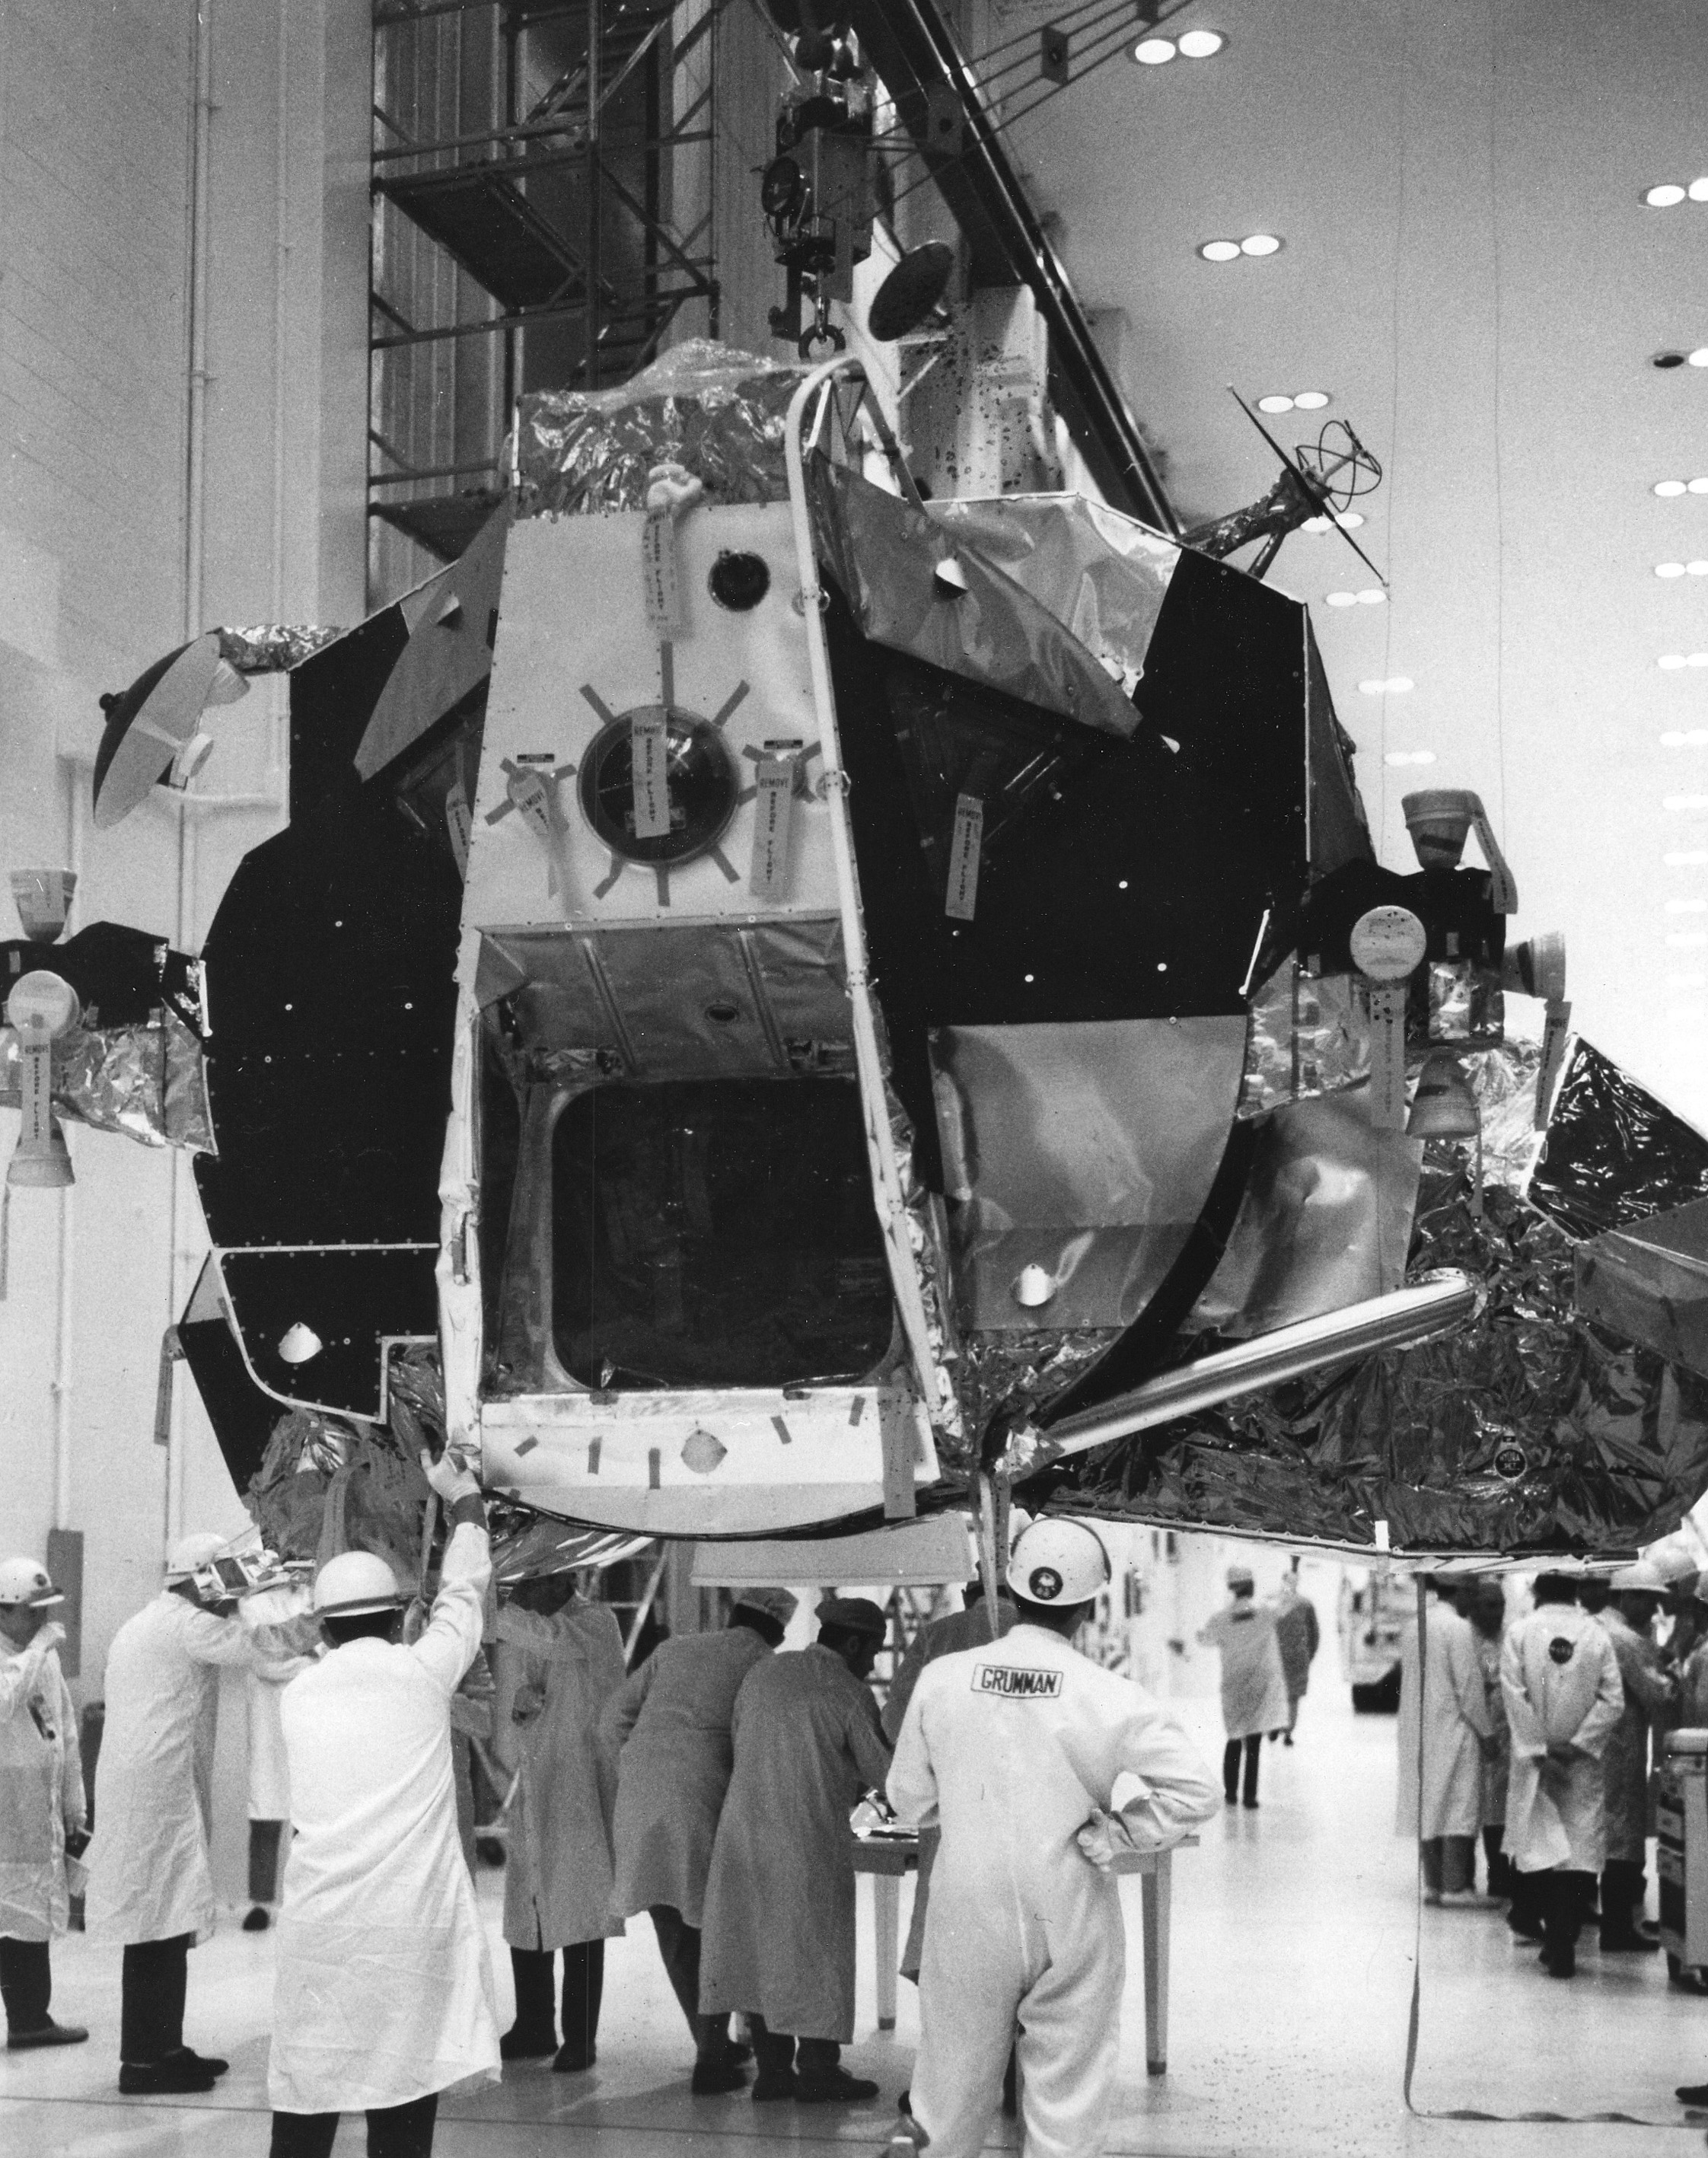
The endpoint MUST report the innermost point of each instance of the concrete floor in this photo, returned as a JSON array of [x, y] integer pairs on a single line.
[[1294, 1929]]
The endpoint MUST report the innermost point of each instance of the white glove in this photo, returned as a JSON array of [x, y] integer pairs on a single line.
[[1098, 1841], [450, 1476]]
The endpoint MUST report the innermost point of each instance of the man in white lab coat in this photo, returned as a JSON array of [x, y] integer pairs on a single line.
[[1253, 1683], [41, 1802], [1445, 1723], [558, 1662], [1014, 1750], [150, 1884], [1561, 1682], [384, 1995], [779, 1939], [1636, 1592], [668, 1729]]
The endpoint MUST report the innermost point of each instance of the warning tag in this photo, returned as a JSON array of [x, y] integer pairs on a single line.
[[459, 823], [650, 746], [775, 789], [962, 896], [1014, 1682], [659, 587], [1387, 1055]]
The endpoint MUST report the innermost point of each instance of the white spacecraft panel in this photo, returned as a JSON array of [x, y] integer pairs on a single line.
[[575, 650]]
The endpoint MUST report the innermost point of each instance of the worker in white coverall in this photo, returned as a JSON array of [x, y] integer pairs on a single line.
[[1253, 1682], [1014, 1750], [668, 1729], [41, 1802], [779, 1939], [1561, 1682], [1446, 1725], [150, 1884], [558, 1662], [383, 1993]]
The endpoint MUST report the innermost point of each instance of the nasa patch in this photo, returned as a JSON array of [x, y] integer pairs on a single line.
[[1043, 1584], [1510, 1463], [1560, 1649]]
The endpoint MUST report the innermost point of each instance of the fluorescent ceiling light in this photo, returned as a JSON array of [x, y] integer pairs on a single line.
[[1228, 251], [1668, 569], [1395, 685], [1343, 598], [1372, 596], [1697, 190], [1311, 400], [1400, 756], [1699, 358], [1669, 487], [1260, 243], [1664, 196], [1276, 403], [1671, 661], [1201, 44], [1153, 52], [1348, 520]]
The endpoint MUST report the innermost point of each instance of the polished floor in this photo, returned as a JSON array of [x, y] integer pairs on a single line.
[[1295, 1934]]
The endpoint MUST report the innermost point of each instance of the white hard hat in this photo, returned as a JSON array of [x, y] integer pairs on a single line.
[[22, 1582], [190, 1554], [1639, 1577], [355, 1582], [1058, 1562]]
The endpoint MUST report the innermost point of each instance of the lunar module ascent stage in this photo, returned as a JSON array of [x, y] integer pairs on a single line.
[[781, 1004]]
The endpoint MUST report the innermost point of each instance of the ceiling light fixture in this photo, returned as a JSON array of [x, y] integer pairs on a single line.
[[1276, 403], [1697, 569], [1260, 243], [1202, 44], [1671, 661], [1311, 400], [1395, 685], [1155, 51], [1228, 251], [1402, 757], [1342, 599], [1348, 520], [1664, 196], [1697, 190], [1699, 358], [1668, 569], [1666, 488]]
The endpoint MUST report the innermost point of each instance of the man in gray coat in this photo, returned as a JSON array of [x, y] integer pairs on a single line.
[[1628, 1621], [779, 1900], [668, 1729]]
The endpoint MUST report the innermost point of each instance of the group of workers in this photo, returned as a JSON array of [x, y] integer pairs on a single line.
[[1541, 1732], [711, 1789]]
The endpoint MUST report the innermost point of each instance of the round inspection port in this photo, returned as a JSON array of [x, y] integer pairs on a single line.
[[723, 1014], [738, 581]]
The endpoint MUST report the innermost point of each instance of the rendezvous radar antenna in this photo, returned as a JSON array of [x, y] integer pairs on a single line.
[[1322, 478]]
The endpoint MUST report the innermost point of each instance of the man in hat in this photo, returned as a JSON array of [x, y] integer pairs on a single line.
[[1564, 1699], [41, 1775], [1015, 1748], [780, 1897], [1628, 1620], [1253, 1684], [150, 1883], [383, 1992], [668, 1729]]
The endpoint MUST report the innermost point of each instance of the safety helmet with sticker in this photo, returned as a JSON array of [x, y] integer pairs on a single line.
[[22, 1582], [1058, 1562]]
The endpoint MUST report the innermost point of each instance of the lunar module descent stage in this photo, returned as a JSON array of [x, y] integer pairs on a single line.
[[781, 1004]]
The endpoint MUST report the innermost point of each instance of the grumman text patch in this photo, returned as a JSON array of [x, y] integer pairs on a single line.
[[1016, 1683]]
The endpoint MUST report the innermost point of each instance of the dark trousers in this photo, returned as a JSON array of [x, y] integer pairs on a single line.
[[1562, 1896], [1624, 1889], [151, 2011], [1252, 1748], [584, 1989], [26, 1984], [678, 1949], [265, 1837], [1502, 1874], [776, 2053], [393, 2131], [1449, 1862]]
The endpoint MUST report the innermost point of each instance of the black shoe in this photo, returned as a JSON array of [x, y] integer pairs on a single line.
[[1695, 2094], [50, 2034], [573, 2060], [258, 1920], [1249, 1804], [838, 2088], [1233, 1798], [768, 2086], [518, 2044], [204, 2061], [712, 2078], [155, 2078], [1559, 1963], [1629, 1943]]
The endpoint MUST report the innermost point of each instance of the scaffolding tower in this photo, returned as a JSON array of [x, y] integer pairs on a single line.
[[543, 178]]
